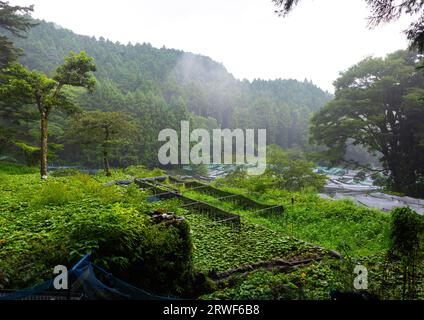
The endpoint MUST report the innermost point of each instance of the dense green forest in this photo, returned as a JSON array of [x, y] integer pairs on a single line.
[[159, 88]]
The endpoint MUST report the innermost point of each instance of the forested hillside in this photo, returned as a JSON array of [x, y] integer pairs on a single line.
[[160, 87]]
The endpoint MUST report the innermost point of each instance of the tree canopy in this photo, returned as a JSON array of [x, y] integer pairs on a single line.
[[379, 104], [25, 87], [105, 130], [15, 20]]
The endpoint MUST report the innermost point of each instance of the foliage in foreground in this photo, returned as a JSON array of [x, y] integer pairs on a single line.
[[407, 242], [317, 280], [44, 224]]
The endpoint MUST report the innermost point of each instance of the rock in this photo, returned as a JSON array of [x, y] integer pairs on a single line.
[[124, 182], [335, 254], [165, 217]]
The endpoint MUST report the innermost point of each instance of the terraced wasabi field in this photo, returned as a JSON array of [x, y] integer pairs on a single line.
[[220, 247]]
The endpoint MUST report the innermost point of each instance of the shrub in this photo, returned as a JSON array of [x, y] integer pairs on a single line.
[[406, 237], [54, 193], [406, 232]]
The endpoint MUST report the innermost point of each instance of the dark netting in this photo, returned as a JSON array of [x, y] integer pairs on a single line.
[[85, 285], [111, 288], [36, 292]]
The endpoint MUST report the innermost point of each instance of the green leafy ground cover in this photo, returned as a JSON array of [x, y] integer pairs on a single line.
[[43, 224], [315, 281], [55, 222], [330, 224], [221, 247], [361, 234]]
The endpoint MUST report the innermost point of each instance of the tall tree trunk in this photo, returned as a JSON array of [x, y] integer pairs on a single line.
[[403, 175], [44, 146], [105, 152], [106, 163]]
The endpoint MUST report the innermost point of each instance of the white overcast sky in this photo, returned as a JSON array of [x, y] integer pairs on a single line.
[[319, 39]]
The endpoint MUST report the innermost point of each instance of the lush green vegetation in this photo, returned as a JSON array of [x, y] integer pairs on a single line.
[[15, 20], [139, 90], [43, 224], [317, 280], [379, 105], [328, 223], [361, 235], [313, 283], [220, 247]]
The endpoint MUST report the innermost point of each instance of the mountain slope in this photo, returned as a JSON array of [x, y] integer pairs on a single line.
[[163, 86]]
